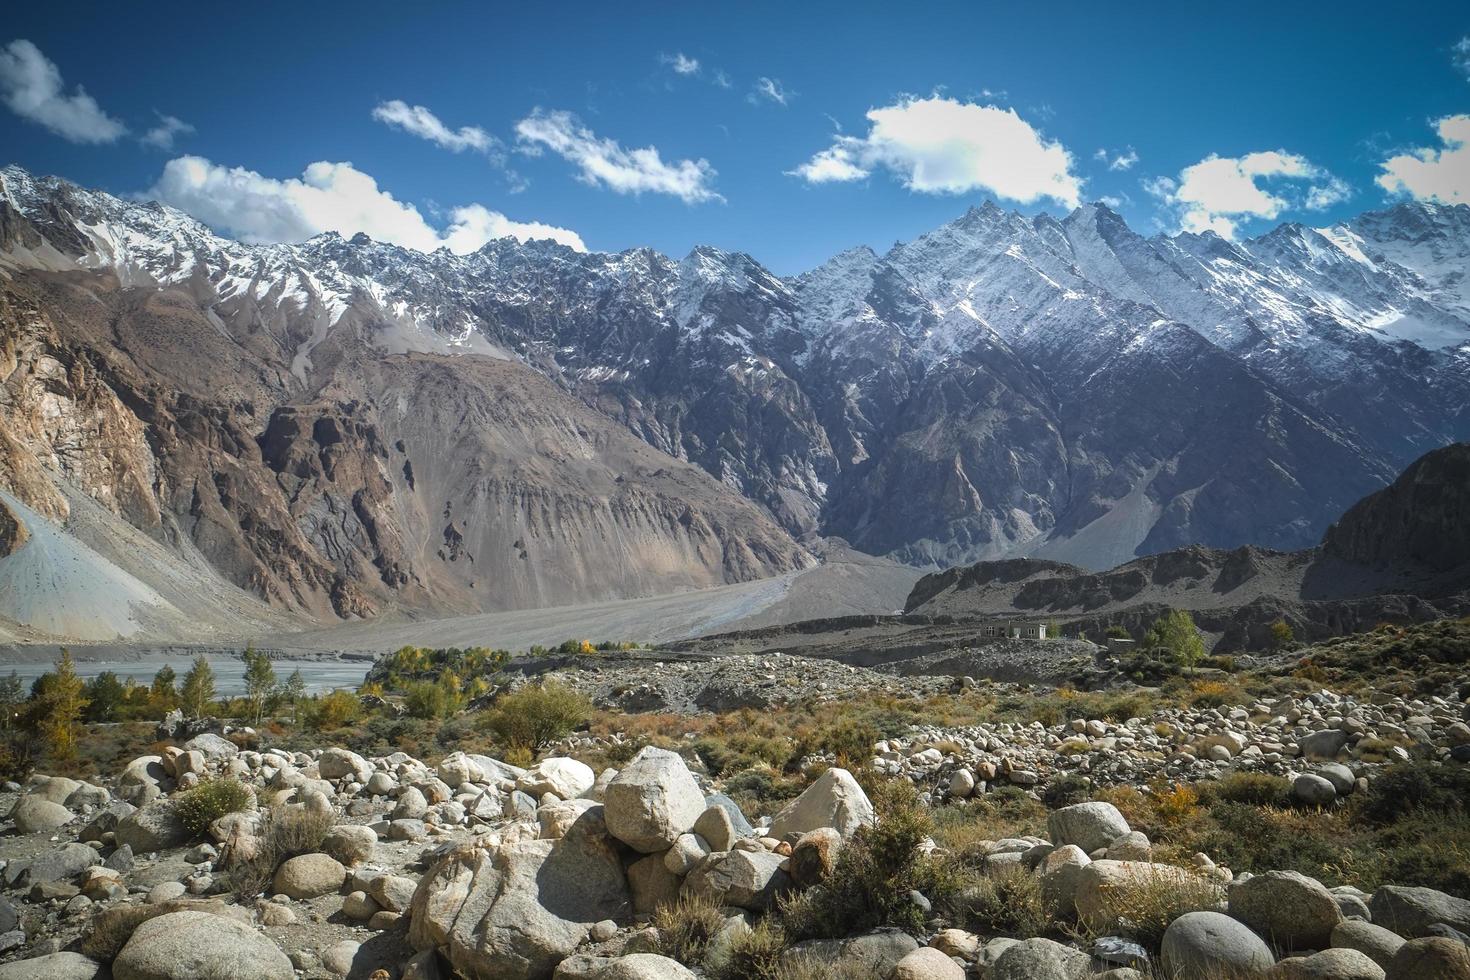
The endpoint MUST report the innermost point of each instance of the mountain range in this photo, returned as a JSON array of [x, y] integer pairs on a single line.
[[342, 428]]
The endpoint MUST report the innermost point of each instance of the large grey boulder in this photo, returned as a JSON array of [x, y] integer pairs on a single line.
[[834, 800], [195, 945], [1330, 964], [746, 879], [1287, 908], [927, 963], [152, 827], [1061, 874], [213, 747], [310, 876], [1322, 745], [57, 789], [1374, 941], [61, 863], [567, 778], [33, 813], [1041, 959], [1411, 911], [652, 801], [1088, 825], [512, 912], [336, 763], [1313, 790], [56, 966], [1200, 943], [1430, 958], [644, 966]]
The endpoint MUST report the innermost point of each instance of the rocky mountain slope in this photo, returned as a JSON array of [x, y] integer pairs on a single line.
[[1000, 387], [1398, 554]]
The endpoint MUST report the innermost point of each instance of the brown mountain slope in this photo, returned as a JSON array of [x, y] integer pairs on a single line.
[[450, 483]]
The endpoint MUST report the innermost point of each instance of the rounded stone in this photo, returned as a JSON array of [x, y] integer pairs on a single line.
[[1197, 943], [1287, 908], [309, 876], [190, 945]]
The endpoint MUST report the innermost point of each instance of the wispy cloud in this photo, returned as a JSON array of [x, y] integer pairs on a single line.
[[681, 63], [162, 135], [1117, 160], [944, 146], [770, 90], [604, 162], [721, 79], [1429, 174], [329, 197], [31, 86], [1461, 55], [420, 121]]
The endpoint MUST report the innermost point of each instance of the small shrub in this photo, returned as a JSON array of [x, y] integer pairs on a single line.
[[211, 799], [1174, 804], [1148, 903], [1257, 788], [1067, 789], [284, 833], [756, 955], [1006, 900], [1403, 789], [875, 872], [685, 928], [537, 715]]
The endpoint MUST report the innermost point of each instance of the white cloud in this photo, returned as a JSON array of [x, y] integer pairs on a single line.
[[682, 64], [1218, 192], [420, 121], [721, 79], [1117, 161], [1427, 174], [328, 197], [31, 85], [770, 90], [1461, 54], [603, 162], [944, 146], [162, 135]]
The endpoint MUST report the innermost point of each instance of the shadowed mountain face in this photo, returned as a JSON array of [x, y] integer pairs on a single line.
[[1398, 554], [342, 427]]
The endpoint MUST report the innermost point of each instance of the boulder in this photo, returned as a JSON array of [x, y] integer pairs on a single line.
[[927, 963], [61, 863], [335, 763], [1322, 745], [872, 954], [212, 746], [644, 966], [513, 911], [309, 876], [1377, 943], [1313, 790], [350, 844], [1201, 943], [1040, 959], [1287, 908], [1088, 825], [814, 856], [834, 800], [652, 885], [1330, 964], [956, 942], [1061, 873], [55, 966], [567, 778], [1430, 958], [717, 828], [1411, 911], [652, 801], [746, 879], [152, 827], [393, 892], [193, 945], [33, 813]]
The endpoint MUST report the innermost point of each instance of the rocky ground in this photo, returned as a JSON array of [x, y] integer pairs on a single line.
[[391, 868]]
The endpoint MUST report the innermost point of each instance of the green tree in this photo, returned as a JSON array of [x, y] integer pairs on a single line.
[[12, 696], [1282, 635], [198, 689], [105, 695], [58, 709], [260, 681], [1117, 632], [1176, 633], [293, 692], [162, 692]]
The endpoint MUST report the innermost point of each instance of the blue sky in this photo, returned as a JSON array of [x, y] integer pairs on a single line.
[[805, 129]]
